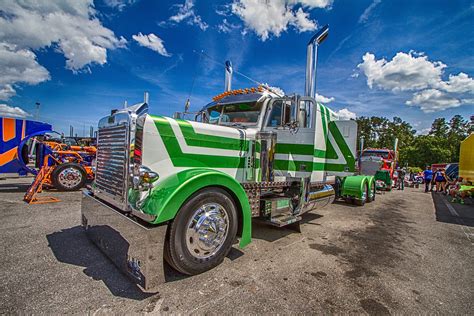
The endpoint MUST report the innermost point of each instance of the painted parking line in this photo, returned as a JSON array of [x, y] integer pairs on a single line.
[[465, 229]]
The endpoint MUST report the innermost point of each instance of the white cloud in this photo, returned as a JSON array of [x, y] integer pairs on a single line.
[[10, 111], [18, 66], [152, 42], [302, 21], [268, 18], [458, 84], [323, 99], [227, 27], [323, 4], [410, 71], [345, 114], [186, 14], [432, 100], [414, 72], [119, 4], [6, 92], [366, 14], [69, 26]]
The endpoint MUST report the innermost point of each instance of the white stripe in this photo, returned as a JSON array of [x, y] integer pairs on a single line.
[[200, 150], [208, 129], [294, 157]]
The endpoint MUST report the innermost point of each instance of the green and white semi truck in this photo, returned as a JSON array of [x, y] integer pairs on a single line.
[[179, 192]]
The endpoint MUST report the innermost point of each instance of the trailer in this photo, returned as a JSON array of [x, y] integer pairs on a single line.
[[179, 192], [15, 146]]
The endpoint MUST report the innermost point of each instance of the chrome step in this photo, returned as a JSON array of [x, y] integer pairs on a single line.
[[284, 220]]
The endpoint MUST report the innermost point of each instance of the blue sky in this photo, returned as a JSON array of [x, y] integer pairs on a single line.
[[80, 59]]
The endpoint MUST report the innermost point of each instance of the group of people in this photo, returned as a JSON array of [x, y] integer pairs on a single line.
[[443, 184], [436, 178]]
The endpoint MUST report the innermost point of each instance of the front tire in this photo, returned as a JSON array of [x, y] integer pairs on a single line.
[[202, 232], [69, 177]]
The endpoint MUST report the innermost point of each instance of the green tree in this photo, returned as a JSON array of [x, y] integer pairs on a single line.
[[439, 128], [440, 145]]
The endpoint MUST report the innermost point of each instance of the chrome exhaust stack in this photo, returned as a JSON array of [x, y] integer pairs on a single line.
[[311, 61], [228, 75]]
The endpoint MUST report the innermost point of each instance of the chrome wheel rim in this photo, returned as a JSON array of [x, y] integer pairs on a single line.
[[207, 230], [70, 177]]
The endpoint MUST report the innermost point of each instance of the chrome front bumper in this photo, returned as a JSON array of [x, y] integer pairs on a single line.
[[136, 249]]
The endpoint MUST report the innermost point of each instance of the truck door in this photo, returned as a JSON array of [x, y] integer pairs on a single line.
[[295, 135]]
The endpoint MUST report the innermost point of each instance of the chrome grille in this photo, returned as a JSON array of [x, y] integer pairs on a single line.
[[112, 161]]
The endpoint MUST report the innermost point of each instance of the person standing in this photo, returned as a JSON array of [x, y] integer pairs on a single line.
[[428, 178], [401, 179], [440, 178]]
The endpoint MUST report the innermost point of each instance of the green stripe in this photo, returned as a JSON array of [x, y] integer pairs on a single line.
[[295, 149], [330, 151], [180, 159], [323, 118], [341, 143], [318, 153], [210, 141], [292, 165]]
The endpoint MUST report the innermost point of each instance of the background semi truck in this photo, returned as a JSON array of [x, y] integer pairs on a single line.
[[380, 163], [181, 191]]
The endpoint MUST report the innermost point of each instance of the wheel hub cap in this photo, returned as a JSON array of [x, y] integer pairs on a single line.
[[70, 177], [207, 230]]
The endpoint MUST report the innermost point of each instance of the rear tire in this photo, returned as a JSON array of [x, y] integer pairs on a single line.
[[69, 177], [202, 232], [364, 197]]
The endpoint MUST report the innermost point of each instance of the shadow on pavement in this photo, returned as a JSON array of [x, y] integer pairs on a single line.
[[72, 246], [463, 214], [14, 187]]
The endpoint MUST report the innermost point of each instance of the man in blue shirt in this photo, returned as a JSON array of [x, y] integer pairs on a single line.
[[428, 177]]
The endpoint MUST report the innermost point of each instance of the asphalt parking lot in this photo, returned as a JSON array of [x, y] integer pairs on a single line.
[[407, 252]]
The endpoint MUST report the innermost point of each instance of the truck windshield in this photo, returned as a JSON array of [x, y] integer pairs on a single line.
[[381, 154], [244, 114]]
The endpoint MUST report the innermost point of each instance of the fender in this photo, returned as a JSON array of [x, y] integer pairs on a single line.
[[170, 194], [20, 148], [354, 186], [370, 181]]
